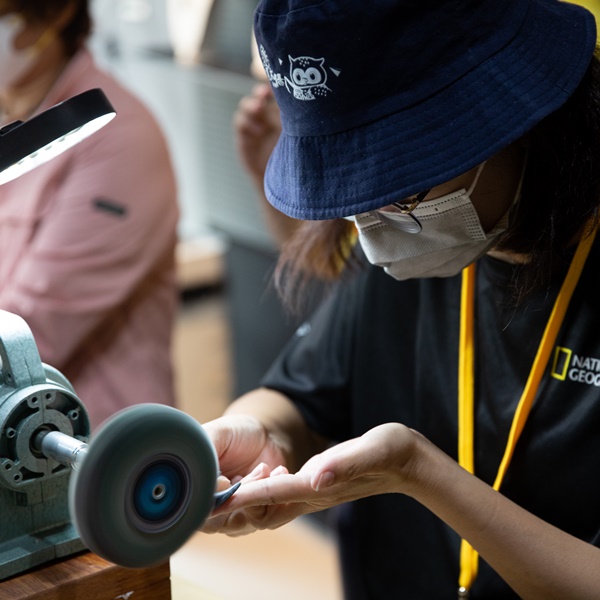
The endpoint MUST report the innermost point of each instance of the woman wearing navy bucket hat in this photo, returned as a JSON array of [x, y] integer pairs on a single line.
[[450, 400]]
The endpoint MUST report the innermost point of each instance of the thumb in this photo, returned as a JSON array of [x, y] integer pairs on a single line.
[[321, 480], [373, 453], [343, 462]]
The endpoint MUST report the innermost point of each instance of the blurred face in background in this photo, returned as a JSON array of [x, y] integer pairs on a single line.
[[36, 35], [21, 47]]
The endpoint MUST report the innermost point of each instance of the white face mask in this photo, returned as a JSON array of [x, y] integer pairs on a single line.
[[451, 238], [14, 63]]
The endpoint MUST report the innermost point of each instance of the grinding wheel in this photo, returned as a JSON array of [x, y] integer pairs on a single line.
[[146, 484]]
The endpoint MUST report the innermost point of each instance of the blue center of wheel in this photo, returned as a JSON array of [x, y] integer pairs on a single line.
[[158, 491]]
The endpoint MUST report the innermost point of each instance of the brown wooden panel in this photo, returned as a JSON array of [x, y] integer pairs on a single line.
[[88, 577]]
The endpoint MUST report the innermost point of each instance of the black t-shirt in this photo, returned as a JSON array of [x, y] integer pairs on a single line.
[[379, 351]]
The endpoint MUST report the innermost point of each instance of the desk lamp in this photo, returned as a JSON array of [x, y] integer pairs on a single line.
[[26, 145]]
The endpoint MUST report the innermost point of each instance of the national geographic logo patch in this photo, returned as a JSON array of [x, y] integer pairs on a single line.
[[571, 366]]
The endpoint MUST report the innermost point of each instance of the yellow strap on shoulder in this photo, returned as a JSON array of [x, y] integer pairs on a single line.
[[469, 557]]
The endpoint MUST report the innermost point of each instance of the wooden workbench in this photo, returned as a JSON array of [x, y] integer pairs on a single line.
[[88, 577]]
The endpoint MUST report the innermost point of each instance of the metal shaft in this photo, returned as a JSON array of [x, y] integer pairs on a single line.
[[63, 448]]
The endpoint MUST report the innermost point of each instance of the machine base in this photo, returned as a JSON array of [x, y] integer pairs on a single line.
[[91, 577], [30, 550]]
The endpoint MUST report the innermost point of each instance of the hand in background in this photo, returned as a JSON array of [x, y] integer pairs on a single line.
[[257, 127]]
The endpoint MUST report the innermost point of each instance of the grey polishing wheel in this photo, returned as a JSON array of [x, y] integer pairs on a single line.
[[146, 484]]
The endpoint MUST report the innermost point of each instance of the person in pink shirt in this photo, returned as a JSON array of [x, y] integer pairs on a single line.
[[87, 240]]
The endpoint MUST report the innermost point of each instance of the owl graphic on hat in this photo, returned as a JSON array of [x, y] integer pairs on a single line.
[[307, 78]]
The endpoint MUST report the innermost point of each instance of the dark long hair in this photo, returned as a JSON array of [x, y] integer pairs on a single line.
[[560, 197], [561, 188]]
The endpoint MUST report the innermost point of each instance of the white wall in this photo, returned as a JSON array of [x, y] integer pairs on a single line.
[[193, 103]]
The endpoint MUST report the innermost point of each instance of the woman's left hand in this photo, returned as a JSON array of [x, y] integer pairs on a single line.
[[527, 552], [378, 462]]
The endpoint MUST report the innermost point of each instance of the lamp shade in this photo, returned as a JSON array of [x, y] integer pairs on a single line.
[[25, 145]]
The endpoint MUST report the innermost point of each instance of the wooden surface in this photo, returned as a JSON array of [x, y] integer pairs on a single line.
[[88, 577]]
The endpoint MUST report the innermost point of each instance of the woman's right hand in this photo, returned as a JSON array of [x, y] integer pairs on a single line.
[[261, 435], [242, 442], [245, 450]]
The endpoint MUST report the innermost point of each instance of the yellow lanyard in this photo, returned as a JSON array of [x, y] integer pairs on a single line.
[[469, 557]]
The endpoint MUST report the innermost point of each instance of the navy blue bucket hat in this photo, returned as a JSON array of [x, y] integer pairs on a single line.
[[380, 100]]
